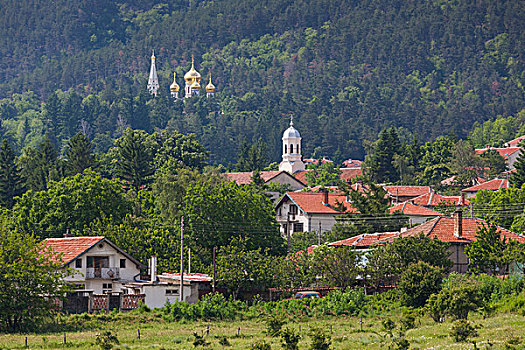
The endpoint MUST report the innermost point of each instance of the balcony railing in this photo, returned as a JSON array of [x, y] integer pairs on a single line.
[[106, 273]]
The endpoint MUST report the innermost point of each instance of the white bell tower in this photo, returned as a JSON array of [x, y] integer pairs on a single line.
[[292, 159]]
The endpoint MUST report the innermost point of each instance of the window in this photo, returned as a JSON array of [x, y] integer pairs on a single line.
[[291, 148], [78, 263], [297, 149], [285, 149], [293, 209], [285, 227], [79, 286], [172, 292], [107, 287], [97, 262], [298, 227], [122, 263]]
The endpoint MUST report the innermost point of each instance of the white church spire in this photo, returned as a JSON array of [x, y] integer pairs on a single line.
[[292, 159], [153, 82]]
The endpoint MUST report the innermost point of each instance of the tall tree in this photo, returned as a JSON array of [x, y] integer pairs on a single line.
[[11, 184], [518, 177], [40, 165], [135, 157], [487, 252], [381, 161], [79, 154]]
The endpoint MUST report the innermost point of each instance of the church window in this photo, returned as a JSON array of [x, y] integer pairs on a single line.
[[297, 149], [285, 149], [291, 148]]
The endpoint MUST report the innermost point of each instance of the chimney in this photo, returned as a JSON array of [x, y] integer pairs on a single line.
[[153, 269], [325, 197], [462, 198], [458, 224], [67, 235]]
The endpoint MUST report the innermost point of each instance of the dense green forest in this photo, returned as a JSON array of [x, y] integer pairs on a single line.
[[346, 69]]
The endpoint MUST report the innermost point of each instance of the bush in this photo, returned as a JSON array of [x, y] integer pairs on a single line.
[[400, 344], [459, 296], [199, 340], [261, 346], [408, 321], [418, 282], [320, 340], [274, 323], [290, 339], [106, 340], [462, 330]]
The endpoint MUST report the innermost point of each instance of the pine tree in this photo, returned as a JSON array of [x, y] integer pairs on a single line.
[[381, 162], [79, 154], [11, 184], [135, 158], [518, 177]]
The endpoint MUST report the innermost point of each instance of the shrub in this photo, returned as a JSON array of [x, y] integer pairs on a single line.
[[224, 341], [418, 282], [274, 323], [106, 340], [320, 339], [459, 296], [290, 339], [388, 325], [408, 321], [462, 330], [199, 340], [400, 343], [261, 346]]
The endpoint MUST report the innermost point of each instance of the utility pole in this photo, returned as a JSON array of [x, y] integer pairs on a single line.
[[288, 231], [319, 235], [213, 263], [189, 260], [181, 291]]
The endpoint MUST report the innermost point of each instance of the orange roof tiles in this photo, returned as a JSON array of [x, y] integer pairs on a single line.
[[312, 202], [347, 174], [352, 163], [407, 191], [504, 152], [434, 199], [245, 178], [492, 185], [71, 247], [365, 240], [516, 141], [442, 229], [408, 208]]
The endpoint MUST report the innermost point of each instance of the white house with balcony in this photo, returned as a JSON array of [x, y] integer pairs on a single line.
[[310, 211], [99, 266]]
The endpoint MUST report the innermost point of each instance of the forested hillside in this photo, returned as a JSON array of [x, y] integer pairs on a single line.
[[346, 69]]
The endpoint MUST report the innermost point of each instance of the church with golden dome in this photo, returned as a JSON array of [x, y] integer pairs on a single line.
[[192, 82]]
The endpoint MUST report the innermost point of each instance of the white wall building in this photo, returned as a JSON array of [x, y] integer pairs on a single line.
[[98, 264], [292, 158]]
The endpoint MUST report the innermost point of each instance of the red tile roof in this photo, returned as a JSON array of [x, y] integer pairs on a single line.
[[408, 208], [504, 152], [71, 247], [407, 191], [245, 178], [347, 174], [352, 163], [516, 141], [312, 202], [308, 161], [434, 199], [442, 229], [365, 240], [492, 185], [301, 176], [191, 277]]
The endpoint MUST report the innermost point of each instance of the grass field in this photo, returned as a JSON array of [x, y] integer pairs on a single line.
[[494, 333]]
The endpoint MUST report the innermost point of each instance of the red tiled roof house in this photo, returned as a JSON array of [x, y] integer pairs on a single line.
[[99, 265], [310, 211]]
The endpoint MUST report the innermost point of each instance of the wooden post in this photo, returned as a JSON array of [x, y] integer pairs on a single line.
[[26, 342], [138, 333], [239, 331], [208, 330], [288, 231], [65, 339], [331, 330], [213, 263], [361, 322], [319, 234], [189, 260], [181, 291]]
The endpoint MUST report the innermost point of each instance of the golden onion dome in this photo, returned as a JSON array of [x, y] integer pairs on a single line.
[[174, 86], [195, 86], [192, 75], [210, 87]]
